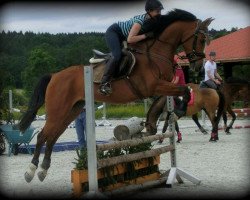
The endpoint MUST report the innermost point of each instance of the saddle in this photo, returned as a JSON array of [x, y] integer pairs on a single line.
[[100, 59], [203, 84]]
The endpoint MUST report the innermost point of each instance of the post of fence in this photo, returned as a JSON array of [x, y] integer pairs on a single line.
[[104, 121], [10, 101], [176, 172], [90, 130]]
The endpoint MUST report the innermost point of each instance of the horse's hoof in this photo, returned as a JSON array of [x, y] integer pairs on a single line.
[[204, 132], [228, 133], [41, 175], [160, 141], [28, 177]]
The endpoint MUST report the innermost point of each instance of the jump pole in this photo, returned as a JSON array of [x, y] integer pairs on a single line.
[[104, 121], [10, 101], [90, 132], [176, 172]]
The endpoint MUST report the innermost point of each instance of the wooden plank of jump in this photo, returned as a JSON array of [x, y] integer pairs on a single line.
[[132, 142], [131, 157]]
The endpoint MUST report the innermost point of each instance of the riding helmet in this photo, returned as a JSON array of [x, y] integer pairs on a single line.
[[153, 5], [212, 53]]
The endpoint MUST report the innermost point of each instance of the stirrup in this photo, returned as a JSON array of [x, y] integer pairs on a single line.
[[105, 88]]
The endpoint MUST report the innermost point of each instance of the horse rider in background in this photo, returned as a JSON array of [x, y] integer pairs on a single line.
[[212, 78]]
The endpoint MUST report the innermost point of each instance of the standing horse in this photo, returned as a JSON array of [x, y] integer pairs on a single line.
[[63, 92], [206, 99], [232, 88]]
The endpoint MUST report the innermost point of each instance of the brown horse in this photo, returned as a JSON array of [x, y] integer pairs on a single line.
[[205, 99], [63, 92], [234, 88]]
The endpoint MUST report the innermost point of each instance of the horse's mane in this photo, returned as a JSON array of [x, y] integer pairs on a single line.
[[236, 80], [159, 23]]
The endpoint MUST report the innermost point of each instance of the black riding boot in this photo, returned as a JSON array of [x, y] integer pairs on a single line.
[[179, 109], [105, 87]]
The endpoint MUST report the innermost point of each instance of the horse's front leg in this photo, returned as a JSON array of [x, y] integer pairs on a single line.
[[196, 120], [170, 89], [29, 174]]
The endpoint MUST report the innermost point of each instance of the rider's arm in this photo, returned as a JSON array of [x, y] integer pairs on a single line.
[[217, 75], [210, 76], [133, 34]]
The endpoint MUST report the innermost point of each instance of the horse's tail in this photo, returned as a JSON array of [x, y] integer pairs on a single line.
[[221, 105], [36, 101]]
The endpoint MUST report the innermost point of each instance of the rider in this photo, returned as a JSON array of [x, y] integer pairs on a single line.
[[212, 78], [128, 30]]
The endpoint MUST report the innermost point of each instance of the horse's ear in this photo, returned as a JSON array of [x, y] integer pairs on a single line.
[[207, 22]]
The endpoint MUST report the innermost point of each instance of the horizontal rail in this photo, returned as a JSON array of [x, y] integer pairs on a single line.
[[132, 157], [132, 142]]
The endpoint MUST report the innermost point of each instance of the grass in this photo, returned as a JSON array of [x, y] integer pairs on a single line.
[[123, 111]]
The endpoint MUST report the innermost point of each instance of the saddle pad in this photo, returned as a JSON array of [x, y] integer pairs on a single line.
[[191, 101]]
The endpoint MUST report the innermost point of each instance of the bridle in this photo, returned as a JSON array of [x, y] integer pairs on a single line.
[[194, 55]]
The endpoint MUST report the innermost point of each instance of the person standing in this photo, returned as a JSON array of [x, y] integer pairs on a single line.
[[179, 77], [212, 78], [80, 125], [126, 31]]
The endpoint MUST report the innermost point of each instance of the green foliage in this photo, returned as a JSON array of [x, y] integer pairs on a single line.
[[18, 50], [19, 100], [40, 62], [110, 178]]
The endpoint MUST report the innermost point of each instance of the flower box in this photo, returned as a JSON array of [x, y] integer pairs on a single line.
[[79, 178]]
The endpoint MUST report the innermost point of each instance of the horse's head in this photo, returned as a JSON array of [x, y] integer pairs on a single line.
[[194, 41]]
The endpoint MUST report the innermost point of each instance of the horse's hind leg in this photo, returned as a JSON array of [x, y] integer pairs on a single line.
[[47, 158], [55, 132], [231, 112], [29, 174], [224, 115]]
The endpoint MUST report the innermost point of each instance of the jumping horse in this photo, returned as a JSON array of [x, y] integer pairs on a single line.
[[63, 92], [207, 99]]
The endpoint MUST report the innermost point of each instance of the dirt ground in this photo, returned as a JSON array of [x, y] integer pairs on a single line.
[[222, 167]]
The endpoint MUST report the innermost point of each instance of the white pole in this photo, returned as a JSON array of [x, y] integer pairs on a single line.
[[104, 121], [145, 106], [90, 129], [10, 101], [175, 172], [170, 106]]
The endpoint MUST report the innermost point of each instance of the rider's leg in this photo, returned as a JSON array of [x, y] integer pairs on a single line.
[[113, 39]]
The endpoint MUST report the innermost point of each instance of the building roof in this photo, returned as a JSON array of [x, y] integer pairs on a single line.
[[233, 47]]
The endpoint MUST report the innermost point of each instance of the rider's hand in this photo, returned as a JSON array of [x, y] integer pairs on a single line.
[[217, 82], [150, 34]]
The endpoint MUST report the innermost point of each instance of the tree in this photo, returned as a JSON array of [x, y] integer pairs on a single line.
[[40, 63]]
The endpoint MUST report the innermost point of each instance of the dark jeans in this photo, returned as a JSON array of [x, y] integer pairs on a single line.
[[114, 39], [211, 84], [80, 124]]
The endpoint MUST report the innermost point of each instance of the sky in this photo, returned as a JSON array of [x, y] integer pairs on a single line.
[[95, 16]]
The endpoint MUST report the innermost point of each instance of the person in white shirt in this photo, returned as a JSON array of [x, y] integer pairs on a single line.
[[212, 78]]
